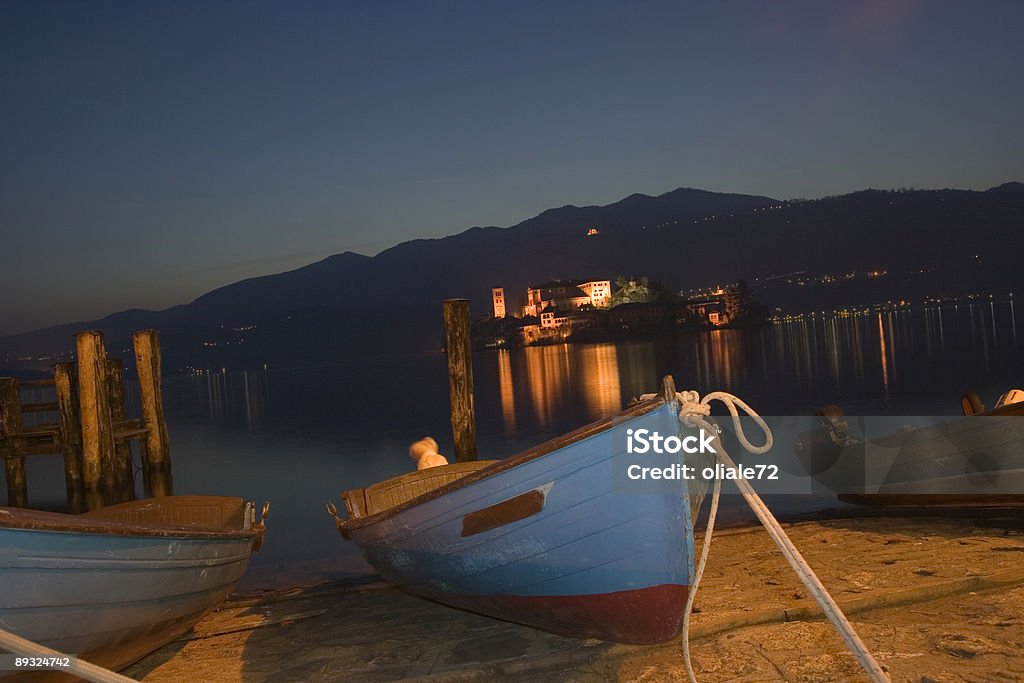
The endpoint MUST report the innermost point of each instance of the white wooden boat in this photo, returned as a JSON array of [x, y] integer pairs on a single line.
[[115, 584]]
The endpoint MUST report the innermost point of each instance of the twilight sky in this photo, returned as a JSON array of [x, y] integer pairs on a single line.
[[151, 151]]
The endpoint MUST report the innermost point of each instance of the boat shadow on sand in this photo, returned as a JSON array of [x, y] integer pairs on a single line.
[[371, 631], [374, 631]]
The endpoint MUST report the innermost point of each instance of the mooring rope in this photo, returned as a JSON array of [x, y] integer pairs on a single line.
[[695, 412], [91, 672], [691, 594]]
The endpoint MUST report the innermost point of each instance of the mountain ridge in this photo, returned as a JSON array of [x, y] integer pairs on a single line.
[[686, 237]]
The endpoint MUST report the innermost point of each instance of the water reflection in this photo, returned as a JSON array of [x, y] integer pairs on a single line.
[[599, 365], [893, 355], [237, 400], [1013, 322], [559, 375], [720, 358], [900, 355], [636, 363], [545, 380], [884, 356], [508, 399]]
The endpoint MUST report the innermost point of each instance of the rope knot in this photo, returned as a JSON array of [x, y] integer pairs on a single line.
[[691, 409]]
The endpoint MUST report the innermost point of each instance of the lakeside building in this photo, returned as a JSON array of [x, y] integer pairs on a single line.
[[567, 296], [711, 310], [719, 306], [639, 316], [585, 310], [556, 326], [552, 317], [599, 291]]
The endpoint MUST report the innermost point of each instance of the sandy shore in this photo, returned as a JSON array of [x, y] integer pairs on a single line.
[[935, 599]]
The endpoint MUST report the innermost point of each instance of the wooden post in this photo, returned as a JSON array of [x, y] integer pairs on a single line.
[[97, 431], [124, 473], [70, 435], [156, 478], [14, 459], [156, 450], [458, 344]]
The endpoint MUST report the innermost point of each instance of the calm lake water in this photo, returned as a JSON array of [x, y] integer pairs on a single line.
[[298, 437]]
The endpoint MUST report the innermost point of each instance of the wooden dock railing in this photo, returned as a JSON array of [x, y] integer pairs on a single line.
[[90, 428]]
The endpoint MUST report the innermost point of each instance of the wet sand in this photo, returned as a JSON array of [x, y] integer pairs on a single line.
[[935, 599]]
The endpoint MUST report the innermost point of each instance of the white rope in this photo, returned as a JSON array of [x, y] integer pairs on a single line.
[[698, 573], [79, 667], [693, 408], [693, 413]]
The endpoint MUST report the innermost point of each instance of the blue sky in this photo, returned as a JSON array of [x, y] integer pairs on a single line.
[[152, 151]]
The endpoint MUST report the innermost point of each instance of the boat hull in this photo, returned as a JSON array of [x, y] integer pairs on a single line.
[[111, 598], [594, 558], [934, 500], [642, 615], [975, 461]]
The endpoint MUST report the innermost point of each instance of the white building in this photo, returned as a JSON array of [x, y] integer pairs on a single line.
[[599, 291], [568, 295]]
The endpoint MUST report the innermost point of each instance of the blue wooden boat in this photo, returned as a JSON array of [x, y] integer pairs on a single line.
[[549, 538], [115, 584]]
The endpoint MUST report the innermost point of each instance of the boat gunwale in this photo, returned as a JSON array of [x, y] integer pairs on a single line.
[[1008, 410], [540, 450], [23, 519]]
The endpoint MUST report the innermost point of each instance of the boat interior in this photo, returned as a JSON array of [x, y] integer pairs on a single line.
[[1010, 403], [392, 492], [207, 512], [199, 516], [397, 491]]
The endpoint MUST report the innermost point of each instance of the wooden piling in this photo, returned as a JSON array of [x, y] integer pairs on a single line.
[[156, 448], [70, 435], [458, 343], [124, 473], [97, 431], [14, 459]]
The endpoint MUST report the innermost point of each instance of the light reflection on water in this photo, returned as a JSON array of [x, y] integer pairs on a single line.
[[298, 437]]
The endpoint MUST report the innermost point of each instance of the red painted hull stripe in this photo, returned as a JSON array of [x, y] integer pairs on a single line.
[[642, 616]]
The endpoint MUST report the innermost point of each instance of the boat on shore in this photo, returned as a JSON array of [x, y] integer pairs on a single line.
[[114, 584], [976, 460], [551, 537]]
